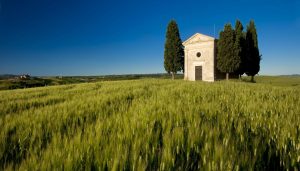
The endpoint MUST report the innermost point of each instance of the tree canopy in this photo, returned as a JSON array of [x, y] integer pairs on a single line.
[[253, 57], [237, 51], [227, 59], [173, 54], [240, 46]]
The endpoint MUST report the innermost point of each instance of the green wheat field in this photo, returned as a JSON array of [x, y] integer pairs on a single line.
[[152, 124]]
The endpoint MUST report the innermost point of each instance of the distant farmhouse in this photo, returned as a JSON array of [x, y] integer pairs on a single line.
[[24, 76], [200, 61]]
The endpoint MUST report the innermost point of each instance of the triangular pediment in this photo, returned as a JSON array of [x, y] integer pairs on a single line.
[[197, 38]]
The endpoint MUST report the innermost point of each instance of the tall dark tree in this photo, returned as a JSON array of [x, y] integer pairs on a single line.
[[173, 50], [240, 47], [182, 61], [227, 60], [253, 57]]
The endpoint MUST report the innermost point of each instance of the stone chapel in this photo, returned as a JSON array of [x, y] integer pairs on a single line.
[[200, 58]]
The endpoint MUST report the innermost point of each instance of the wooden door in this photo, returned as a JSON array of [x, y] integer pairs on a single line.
[[198, 72]]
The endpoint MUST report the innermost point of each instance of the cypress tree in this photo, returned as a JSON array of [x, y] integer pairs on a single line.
[[173, 55], [227, 60], [252, 52], [240, 47]]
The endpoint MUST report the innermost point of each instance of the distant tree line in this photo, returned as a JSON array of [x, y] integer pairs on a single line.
[[238, 51]]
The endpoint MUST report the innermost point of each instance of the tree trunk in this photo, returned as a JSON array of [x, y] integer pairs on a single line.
[[252, 78], [173, 75], [227, 76]]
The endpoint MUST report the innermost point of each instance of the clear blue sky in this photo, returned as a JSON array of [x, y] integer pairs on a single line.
[[98, 37]]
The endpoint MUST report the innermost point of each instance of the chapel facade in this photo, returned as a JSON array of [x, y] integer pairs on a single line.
[[200, 54]]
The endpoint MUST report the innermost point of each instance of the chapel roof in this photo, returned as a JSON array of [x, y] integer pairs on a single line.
[[196, 38]]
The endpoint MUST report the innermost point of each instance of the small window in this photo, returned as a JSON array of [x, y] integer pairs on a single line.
[[198, 54]]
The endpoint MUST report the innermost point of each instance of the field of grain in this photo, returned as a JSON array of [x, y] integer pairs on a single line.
[[151, 124]]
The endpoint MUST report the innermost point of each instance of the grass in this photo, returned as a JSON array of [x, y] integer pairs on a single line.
[[10, 82], [151, 124], [280, 80]]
